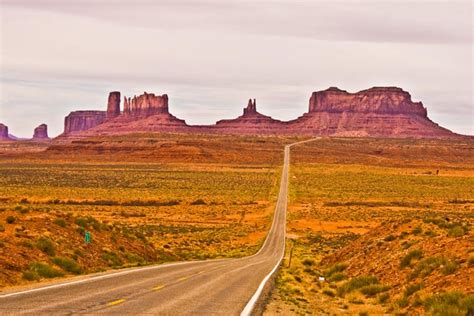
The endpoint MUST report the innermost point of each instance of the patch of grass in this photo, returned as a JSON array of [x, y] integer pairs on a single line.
[[68, 265], [112, 259], [456, 231], [407, 260], [44, 270], [30, 275], [60, 222], [412, 288], [46, 245], [336, 277], [450, 303], [373, 289], [430, 264], [338, 267], [357, 283], [383, 298]]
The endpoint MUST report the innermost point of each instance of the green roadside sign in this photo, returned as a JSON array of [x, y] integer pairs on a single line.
[[87, 237]]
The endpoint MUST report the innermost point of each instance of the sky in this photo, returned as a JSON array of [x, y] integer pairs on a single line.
[[210, 57]]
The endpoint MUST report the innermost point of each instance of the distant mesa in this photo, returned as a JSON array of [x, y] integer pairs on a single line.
[[41, 132], [4, 132], [375, 112]]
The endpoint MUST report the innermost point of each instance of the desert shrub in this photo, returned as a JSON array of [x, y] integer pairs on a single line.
[[450, 303], [30, 275], [449, 268], [338, 267], [414, 254], [373, 289], [198, 202], [46, 245], [383, 298], [338, 276], [10, 219], [357, 283], [428, 265], [134, 258], [470, 260], [412, 288], [417, 230], [60, 222], [402, 302], [87, 222], [329, 293], [68, 265], [390, 238], [308, 262], [456, 231], [112, 259], [2, 228], [44, 270]]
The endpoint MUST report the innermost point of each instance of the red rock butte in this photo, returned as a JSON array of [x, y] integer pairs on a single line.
[[375, 112]]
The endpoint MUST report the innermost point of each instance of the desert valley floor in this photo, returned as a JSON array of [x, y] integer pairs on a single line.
[[374, 225]]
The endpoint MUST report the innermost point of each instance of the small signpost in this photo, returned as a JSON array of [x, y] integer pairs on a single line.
[[87, 237]]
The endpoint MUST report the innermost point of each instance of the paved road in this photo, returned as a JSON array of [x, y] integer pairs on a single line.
[[213, 287]]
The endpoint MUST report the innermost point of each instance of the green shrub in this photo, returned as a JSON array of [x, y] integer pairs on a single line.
[[308, 262], [373, 289], [430, 264], [60, 222], [414, 254], [112, 259], [357, 283], [44, 270], [417, 230], [449, 268], [336, 277], [68, 265], [412, 288], [383, 298], [470, 260], [450, 303], [329, 293], [46, 245], [10, 219], [456, 231], [338, 267], [30, 275]]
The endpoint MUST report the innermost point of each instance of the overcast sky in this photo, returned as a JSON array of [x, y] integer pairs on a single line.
[[211, 56]]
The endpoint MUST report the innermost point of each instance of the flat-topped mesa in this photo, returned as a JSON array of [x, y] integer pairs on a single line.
[[146, 105], [251, 107], [3, 132], [113, 105], [78, 121], [41, 132], [382, 100]]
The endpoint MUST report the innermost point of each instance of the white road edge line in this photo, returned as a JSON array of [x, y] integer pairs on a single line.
[[247, 311]]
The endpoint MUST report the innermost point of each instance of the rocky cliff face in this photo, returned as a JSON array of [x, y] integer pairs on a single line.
[[377, 112], [145, 105], [251, 121], [3, 132], [41, 132], [388, 100], [78, 121], [113, 105]]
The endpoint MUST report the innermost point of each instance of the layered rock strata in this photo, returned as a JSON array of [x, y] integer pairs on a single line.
[[41, 132]]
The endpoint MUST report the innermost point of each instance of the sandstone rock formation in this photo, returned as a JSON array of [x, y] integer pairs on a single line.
[[78, 121], [145, 105], [389, 100], [41, 132], [375, 112], [251, 122], [379, 112], [3, 132], [113, 105]]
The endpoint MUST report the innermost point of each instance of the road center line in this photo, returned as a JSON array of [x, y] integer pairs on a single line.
[[116, 302]]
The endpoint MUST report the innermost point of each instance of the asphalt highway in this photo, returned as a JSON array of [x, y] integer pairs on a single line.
[[211, 287]]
